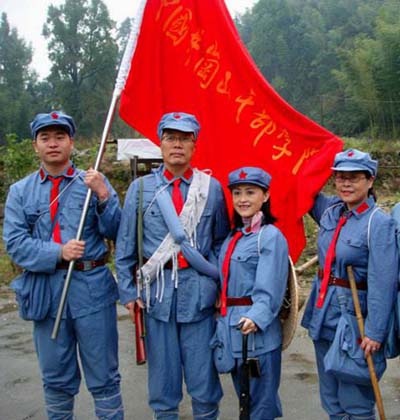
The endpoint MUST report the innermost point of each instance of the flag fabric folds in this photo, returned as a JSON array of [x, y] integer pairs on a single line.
[[189, 57]]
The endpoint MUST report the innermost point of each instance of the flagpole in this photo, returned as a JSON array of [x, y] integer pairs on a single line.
[[119, 85]]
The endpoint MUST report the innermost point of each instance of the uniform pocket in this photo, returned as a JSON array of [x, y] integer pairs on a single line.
[[208, 292]]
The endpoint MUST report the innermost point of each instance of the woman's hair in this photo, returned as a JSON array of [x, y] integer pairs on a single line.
[[268, 218], [371, 191]]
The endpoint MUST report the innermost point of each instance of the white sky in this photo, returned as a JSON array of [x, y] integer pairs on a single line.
[[28, 17]]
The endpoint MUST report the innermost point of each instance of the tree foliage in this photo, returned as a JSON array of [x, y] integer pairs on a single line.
[[336, 61], [84, 57], [15, 81]]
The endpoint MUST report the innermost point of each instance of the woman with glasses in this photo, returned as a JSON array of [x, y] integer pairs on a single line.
[[353, 231]]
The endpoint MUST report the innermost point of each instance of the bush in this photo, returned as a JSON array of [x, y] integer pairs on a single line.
[[17, 159]]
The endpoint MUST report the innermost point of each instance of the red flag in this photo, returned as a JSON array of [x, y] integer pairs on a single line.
[[189, 57]]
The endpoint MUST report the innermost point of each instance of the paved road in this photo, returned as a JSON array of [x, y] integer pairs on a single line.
[[21, 389]]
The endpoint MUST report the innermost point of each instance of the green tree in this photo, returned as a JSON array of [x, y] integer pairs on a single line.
[[84, 59], [15, 77], [335, 61], [370, 71]]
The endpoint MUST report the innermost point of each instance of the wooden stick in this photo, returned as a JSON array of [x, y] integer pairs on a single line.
[[360, 321], [300, 270]]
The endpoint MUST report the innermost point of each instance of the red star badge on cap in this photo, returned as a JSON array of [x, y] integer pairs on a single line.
[[350, 154], [243, 175], [177, 116], [54, 116]]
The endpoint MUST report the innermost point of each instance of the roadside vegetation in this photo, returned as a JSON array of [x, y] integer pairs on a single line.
[[18, 160]]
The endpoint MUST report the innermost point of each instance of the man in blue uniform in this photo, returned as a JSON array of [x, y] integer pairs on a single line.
[[41, 220], [184, 223]]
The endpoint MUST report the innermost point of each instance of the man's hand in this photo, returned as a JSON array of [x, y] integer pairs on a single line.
[[370, 346], [131, 308], [95, 181], [72, 250]]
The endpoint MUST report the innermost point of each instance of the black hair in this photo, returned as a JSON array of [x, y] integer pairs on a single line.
[[371, 191], [268, 218]]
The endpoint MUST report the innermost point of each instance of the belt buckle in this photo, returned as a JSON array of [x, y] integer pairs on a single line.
[[86, 265]]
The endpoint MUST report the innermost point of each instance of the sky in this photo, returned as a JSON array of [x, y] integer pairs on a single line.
[[28, 17]]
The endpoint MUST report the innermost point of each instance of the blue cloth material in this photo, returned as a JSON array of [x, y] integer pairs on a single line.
[[27, 227], [89, 321], [259, 269], [179, 121], [374, 257], [249, 175], [179, 325], [178, 351], [221, 347], [59, 405], [345, 359], [108, 404], [33, 295], [196, 293], [96, 337], [355, 160], [341, 399], [192, 255], [367, 243], [396, 216], [54, 118], [265, 402]]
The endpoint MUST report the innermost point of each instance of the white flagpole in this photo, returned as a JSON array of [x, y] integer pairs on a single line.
[[119, 85]]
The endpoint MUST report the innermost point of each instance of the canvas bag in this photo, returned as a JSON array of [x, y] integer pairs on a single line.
[[345, 358], [33, 295], [221, 347]]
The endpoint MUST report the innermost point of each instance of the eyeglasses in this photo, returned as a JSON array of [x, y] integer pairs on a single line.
[[173, 138], [352, 179]]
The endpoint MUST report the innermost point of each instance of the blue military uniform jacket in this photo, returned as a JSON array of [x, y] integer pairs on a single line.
[[259, 269], [196, 293], [27, 235], [367, 243]]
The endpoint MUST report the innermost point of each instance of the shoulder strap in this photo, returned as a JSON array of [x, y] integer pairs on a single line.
[[369, 225], [140, 225]]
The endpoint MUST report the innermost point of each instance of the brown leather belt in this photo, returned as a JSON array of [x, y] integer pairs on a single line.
[[82, 265], [239, 301], [182, 264], [336, 281]]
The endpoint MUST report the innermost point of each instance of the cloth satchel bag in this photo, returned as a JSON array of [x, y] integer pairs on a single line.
[[221, 347], [33, 295], [345, 358]]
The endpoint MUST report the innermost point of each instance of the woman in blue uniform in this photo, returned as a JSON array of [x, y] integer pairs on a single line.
[[254, 269], [353, 231]]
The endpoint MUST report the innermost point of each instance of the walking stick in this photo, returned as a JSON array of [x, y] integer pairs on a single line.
[[370, 362], [119, 85]]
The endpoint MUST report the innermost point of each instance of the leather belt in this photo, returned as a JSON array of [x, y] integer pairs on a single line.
[[182, 263], [239, 301], [82, 265], [336, 281]]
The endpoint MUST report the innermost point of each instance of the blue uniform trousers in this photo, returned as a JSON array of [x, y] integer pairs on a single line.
[[178, 351], [95, 336], [265, 403], [342, 400]]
